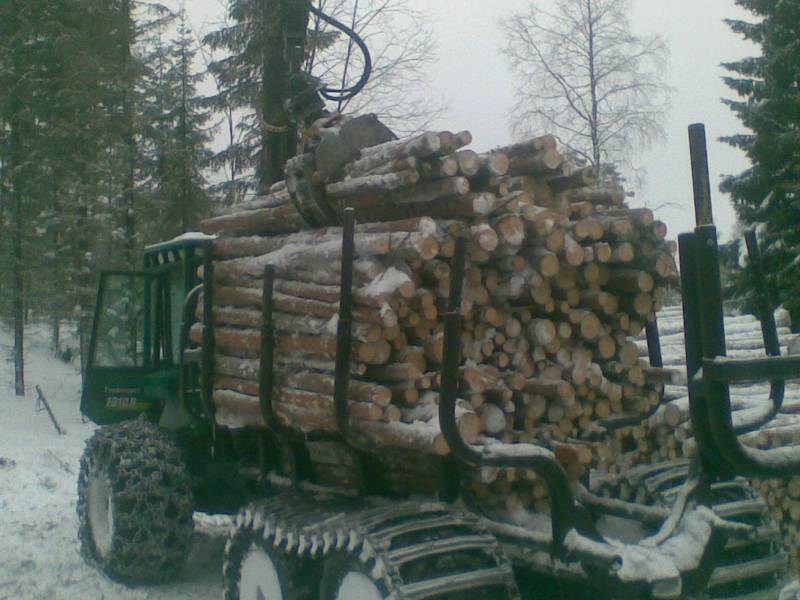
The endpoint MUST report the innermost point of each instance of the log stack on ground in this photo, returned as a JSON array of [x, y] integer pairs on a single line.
[[561, 277]]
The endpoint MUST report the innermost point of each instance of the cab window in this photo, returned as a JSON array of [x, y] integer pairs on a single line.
[[121, 322]]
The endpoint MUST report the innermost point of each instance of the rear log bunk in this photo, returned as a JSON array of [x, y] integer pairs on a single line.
[[666, 437]]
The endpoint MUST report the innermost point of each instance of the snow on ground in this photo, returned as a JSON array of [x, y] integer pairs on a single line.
[[39, 552]]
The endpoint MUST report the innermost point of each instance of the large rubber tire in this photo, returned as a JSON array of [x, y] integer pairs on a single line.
[[255, 570], [134, 503], [342, 574]]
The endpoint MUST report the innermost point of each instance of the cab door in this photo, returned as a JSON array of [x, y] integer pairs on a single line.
[[125, 374]]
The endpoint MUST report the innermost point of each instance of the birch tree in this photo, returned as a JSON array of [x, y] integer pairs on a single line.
[[586, 77]]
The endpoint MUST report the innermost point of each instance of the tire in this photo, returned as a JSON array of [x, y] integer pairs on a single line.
[[344, 577], [134, 503], [255, 570]]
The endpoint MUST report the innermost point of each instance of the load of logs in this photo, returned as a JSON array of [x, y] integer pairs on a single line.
[[561, 277]]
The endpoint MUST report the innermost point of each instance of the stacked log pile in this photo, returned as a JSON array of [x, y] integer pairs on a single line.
[[667, 434], [782, 495], [561, 277]]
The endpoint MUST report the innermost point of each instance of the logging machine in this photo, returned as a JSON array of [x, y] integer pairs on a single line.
[[163, 452]]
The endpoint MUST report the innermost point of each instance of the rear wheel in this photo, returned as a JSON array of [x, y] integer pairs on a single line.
[[260, 577], [255, 570], [344, 577], [300, 546], [358, 585], [134, 503]]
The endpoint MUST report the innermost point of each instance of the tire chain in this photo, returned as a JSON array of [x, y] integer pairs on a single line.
[[151, 496], [304, 527]]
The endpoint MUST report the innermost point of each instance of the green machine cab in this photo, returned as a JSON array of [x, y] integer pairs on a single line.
[[136, 361]]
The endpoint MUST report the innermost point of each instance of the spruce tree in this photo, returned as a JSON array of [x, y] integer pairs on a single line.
[[192, 135], [132, 25], [237, 47], [77, 219], [25, 57], [175, 134], [262, 40], [767, 195], [77, 191]]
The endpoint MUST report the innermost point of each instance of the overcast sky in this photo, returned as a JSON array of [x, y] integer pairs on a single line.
[[472, 76]]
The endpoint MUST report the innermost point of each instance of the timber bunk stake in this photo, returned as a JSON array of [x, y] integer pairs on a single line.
[[708, 371], [344, 328], [701, 182], [266, 373], [563, 502], [653, 343], [207, 373], [344, 342]]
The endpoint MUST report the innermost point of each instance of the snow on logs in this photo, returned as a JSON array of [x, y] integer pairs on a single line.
[[561, 276]]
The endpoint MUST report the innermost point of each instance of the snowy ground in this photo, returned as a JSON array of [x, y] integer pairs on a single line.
[[39, 558]]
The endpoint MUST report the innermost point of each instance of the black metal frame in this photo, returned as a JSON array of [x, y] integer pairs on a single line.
[[344, 328], [207, 373], [548, 468], [709, 372], [344, 347]]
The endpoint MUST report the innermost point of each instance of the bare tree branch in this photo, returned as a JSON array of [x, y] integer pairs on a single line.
[[585, 77], [402, 47]]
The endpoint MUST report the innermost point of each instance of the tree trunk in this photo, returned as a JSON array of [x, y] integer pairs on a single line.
[[283, 25], [186, 192], [3, 204], [16, 161], [55, 335], [594, 124], [128, 136], [83, 280]]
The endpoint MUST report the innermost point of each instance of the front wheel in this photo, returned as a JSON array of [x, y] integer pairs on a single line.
[[134, 503]]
